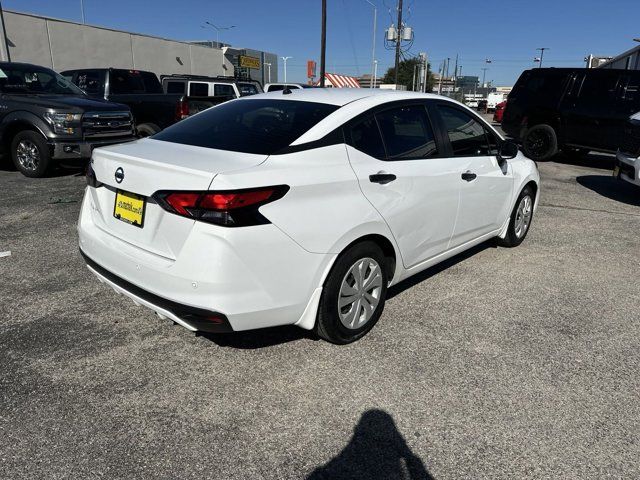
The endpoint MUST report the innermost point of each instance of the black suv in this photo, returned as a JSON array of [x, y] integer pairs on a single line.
[[574, 110], [44, 118]]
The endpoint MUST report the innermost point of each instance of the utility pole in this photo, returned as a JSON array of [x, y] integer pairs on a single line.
[[284, 59], [373, 45], [323, 42], [542, 54], [455, 77], [398, 40], [484, 74], [269, 77]]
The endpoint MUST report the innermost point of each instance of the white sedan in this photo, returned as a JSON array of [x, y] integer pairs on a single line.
[[300, 207]]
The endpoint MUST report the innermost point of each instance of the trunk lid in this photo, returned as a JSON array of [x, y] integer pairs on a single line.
[[148, 166]]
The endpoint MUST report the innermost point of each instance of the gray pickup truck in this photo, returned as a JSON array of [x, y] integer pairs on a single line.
[[44, 119]]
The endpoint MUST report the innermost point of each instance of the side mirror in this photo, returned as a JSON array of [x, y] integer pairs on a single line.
[[507, 150]]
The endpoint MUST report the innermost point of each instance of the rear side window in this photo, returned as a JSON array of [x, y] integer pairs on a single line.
[[223, 89], [198, 89], [365, 137], [262, 126], [275, 88], [466, 135], [247, 89], [630, 89], [407, 133], [92, 82], [599, 89], [175, 87]]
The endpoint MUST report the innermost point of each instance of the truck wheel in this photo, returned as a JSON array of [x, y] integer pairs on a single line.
[[147, 129], [30, 154], [540, 142]]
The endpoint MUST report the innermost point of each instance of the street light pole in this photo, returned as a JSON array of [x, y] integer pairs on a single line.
[[82, 10], [323, 42], [269, 75], [375, 72], [284, 59], [541, 54], [373, 45]]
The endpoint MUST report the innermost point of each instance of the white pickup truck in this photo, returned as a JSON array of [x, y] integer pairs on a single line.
[[494, 99]]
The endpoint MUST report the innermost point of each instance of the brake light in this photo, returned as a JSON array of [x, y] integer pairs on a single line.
[[182, 110], [235, 208]]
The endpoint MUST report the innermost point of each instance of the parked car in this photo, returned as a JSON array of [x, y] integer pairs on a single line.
[[201, 86], [45, 119], [300, 209], [628, 156], [499, 112], [273, 87], [152, 109], [572, 109]]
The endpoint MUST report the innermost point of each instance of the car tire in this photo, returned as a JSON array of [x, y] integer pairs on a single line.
[[520, 220], [147, 129], [540, 143], [31, 154], [340, 321]]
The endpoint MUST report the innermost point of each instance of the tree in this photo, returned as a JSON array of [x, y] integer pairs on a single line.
[[405, 74]]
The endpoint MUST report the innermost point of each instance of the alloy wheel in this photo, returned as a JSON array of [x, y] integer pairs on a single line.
[[523, 216], [538, 142], [360, 293], [28, 155]]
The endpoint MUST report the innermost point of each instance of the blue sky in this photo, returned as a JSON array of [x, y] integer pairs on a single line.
[[506, 31]]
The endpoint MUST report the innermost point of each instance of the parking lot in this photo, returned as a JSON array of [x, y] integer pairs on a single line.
[[501, 363]]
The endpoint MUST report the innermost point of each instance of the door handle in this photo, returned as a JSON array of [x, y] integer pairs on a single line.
[[382, 178], [468, 176]]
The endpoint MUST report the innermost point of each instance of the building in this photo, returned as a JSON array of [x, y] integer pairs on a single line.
[[333, 80], [65, 45], [629, 60], [365, 81]]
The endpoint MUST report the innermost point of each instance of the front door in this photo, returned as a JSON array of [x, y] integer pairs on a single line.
[[402, 172], [485, 186]]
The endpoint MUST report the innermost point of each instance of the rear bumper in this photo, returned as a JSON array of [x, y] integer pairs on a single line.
[[74, 149], [254, 277], [195, 319], [628, 168]]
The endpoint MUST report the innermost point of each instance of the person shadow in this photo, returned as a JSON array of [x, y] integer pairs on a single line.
[[376, 451]]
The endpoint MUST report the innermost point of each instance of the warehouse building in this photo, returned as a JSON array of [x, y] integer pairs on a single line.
[[65, 45], [629, 60]]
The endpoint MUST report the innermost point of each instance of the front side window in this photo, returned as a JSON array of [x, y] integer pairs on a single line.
[[365, 137], [262, 126], [407, 133], [32, 80], [466, 134]]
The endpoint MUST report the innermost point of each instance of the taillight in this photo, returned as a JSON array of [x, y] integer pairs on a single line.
[[182, 110], [229, 208]]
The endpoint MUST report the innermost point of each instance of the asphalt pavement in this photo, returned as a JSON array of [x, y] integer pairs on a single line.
[[501, 363]]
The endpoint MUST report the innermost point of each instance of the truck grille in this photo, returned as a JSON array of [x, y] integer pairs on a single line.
[[107, 124], [630, 141]]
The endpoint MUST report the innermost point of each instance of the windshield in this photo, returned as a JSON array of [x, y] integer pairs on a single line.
[[249, 126], [30, 80], [247, 89]]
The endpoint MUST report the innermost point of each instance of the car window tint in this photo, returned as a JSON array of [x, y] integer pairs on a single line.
[[630, 89], [466, 134], [598, 89], [198, 89], [175, 87], [223, 89], [247, 89], [407, 133], [262, 126], [365, 136], [275, 88]]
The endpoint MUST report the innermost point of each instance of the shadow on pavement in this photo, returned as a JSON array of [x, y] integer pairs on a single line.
[[253, 339], [430, 272], [591, 160], [376, 451], [610, 187]]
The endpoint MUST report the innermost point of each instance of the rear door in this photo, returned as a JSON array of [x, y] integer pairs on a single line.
[[485, 186], [401, 170]]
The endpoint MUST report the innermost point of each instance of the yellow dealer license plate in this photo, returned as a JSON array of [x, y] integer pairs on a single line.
[[129, 208]]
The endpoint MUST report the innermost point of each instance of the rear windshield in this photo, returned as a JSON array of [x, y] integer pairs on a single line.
[[124, 82], [251, 126]]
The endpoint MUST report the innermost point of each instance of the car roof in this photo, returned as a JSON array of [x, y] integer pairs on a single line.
[[341, 96]]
